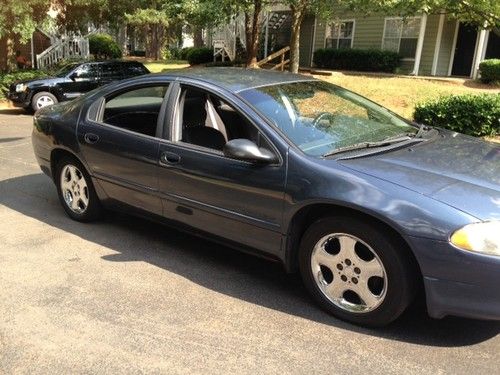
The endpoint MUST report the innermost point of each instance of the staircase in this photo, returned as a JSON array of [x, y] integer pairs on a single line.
[[225, 38], [63, 48]]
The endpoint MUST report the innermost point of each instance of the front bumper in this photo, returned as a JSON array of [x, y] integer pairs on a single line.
[[19, 99], [458, 282]]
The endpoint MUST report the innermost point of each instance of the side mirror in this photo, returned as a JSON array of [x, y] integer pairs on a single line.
[[73, 76], [244, 149]]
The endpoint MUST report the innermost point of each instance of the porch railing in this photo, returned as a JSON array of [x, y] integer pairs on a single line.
[[64, 48], [281, 55]]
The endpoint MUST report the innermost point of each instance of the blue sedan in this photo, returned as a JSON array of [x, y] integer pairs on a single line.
[[366, 205]]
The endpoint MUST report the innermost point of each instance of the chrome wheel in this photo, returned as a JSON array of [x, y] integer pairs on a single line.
[[44, 101], [349, 273], [74, 189]]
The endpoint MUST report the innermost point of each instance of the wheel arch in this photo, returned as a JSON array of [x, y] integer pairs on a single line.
[[307, 215], [57, 154]]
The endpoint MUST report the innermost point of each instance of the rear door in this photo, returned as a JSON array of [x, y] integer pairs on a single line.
[[110, 72], [120, 144]]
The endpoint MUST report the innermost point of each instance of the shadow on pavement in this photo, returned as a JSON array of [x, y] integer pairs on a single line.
[[222, 269], [13, 111]]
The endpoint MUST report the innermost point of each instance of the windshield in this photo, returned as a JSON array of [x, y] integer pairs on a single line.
[[66, 69], [320, 117]]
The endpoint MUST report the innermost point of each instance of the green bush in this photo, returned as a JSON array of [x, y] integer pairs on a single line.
[[364, 60], [490, 70], [183, 53], [202, 55], [23, 75], [103, 46], [476, 115]]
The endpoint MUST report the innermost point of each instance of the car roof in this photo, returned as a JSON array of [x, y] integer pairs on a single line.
[[238, 79]]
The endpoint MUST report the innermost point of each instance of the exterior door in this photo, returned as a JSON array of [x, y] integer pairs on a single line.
[[121, 153], [233, 199], [84, 79], [464, 51]]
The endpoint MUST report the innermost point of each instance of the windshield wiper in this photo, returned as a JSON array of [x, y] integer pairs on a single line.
[[366, 145]]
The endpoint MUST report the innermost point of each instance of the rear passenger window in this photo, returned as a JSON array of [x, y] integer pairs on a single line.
[[111, 72], [136, 110], [130, 70]]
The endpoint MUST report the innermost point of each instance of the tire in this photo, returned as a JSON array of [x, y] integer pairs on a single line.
[[355, 271], [76, 191], [42, 99]]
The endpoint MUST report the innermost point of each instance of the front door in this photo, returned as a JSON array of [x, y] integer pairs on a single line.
[[84, 79], [464, 51], [202, 188]]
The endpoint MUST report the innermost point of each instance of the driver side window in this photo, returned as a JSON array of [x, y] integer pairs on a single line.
[[208, 121]]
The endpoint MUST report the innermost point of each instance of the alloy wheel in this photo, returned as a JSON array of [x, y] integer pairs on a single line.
[[349, 273]]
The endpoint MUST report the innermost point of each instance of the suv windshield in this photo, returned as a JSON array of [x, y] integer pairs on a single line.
[[66, 69], [320, 117]]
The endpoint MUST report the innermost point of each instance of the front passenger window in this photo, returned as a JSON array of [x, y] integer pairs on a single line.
[[210, 122]]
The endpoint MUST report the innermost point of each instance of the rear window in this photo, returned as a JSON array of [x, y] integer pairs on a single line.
[[134, 70]]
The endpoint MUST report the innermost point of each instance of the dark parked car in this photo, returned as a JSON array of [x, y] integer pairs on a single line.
[[70, 82], [368, 206]]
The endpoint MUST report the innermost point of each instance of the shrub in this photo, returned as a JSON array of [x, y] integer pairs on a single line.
[[202, 55], [184, 52], [490, 70], [7, 79], [104, 46], [365, 60], [476, 115]]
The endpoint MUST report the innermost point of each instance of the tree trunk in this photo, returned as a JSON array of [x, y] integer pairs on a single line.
[[197, 36], [252, 33], [298, 14]]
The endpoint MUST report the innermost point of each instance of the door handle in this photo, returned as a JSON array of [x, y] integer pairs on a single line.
[[91, 138], [169, 158]]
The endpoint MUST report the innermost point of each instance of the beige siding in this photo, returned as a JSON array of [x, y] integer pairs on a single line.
[[369, 32], [429, 44], [446, 47]]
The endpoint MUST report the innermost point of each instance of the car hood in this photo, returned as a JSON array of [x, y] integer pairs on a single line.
[[46, 81], [458, 170]]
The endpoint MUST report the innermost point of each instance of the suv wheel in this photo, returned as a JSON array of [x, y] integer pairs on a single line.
[[42, 99]]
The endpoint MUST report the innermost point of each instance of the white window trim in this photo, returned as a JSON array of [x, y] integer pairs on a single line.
[[341, 21], [399, 45]]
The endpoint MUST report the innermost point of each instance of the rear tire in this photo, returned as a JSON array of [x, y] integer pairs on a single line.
[[42, 99], [355, 271], [76, 191]]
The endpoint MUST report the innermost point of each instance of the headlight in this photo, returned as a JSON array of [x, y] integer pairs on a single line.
[[482, 238], [21, 87]]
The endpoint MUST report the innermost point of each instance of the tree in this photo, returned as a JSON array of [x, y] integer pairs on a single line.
[[153, 22], [21, 17]]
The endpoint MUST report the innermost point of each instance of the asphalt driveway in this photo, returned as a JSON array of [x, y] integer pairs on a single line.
[[128, 296]]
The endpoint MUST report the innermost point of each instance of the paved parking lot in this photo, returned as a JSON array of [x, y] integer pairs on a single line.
[[128, 296]]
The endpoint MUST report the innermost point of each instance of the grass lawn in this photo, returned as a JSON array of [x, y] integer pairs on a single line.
[[401, 94], [158, 66]]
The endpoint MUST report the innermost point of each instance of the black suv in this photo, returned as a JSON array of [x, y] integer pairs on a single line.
[[70, 82]]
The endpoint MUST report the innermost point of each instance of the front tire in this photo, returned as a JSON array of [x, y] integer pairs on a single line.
[[76, 192], [355, 271], [42, 99]]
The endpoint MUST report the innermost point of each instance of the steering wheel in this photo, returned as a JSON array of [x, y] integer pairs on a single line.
[[323, 116]]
